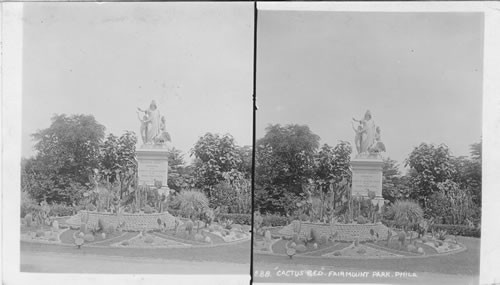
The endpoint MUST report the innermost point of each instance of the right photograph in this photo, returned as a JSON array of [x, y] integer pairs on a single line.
[[368, 149]]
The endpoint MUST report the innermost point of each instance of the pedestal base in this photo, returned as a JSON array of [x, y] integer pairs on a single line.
[[367, 176], [153, 167]]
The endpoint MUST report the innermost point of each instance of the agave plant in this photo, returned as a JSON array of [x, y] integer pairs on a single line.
[[406, 214]]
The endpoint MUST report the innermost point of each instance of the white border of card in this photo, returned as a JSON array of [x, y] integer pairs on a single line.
[[11, 78]]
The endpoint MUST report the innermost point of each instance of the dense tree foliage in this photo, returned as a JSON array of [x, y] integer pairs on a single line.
[[118, 162], [66, 155], [215, 155], [284, 163]]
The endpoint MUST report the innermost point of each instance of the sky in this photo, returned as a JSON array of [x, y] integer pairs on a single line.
[[107, 59], [420, 75]]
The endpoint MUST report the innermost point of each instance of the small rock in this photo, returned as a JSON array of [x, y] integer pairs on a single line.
[[420, 250], [315, 246]]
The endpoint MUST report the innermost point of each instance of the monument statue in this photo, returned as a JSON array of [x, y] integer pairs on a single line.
[[367, 138], [367, 166], [152, 155], [377, 146], [152, 125]]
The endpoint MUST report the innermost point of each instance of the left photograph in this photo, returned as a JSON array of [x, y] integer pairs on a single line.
[[136, 138]]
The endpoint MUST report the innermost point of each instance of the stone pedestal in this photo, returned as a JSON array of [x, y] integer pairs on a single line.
[[152, 166], [367, 176]]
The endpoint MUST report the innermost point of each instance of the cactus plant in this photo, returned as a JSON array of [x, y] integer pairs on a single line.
[[189, 227], [28, 219], [301, 248], [267, 236], [389, 235], [323, 239], [290, 252], [88, 238], [314, 235], [199, 237], [79, 242]]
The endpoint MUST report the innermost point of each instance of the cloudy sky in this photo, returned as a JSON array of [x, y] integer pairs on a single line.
[[420, 74], [108, 59]]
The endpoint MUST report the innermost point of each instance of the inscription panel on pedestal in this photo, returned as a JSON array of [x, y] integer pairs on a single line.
[[150, 170], [363, 180]]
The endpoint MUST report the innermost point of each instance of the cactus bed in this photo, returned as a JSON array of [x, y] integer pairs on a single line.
[[68, 233], [375, 248]]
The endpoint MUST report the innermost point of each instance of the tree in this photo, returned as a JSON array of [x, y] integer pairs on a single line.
[[284, 163], [331, 176], [431, 165], [117, 161], [180, 176], [394, 186], [66, 154], [215, 155]]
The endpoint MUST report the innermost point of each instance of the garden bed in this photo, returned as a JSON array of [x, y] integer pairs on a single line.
[[43, 234], [149, 241], [360, 251]]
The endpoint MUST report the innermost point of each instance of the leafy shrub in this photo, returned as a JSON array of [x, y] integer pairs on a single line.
[[189, 226], [174, 212], [323, 239], [362, 220], [83, 228], [295, 237], [191, 203], [199, 237], [90, 207], [402, 238], [148, 239], [267, 236], [148, 209], [28, 205], [301, 248], [89, 237], [28, 220], [110, 229], [274, 221], [101, 224], [441, 234], [412, 248], [242, 219], [293, 245], [58, 210], [405, 214], [208, 239], [361, 251], [458, 230], [314, 235], [303, 217], [257, 220]]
